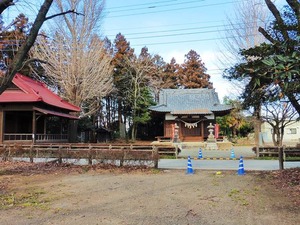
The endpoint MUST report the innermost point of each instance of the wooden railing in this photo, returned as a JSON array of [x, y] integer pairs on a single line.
[[17, 137], [38, 137], [273, 151], [122, 153], [51, 137]]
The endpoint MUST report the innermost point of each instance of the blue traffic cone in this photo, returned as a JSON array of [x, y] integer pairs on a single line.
[[200, 154], [189, 167], [241, 170], [232, 156]]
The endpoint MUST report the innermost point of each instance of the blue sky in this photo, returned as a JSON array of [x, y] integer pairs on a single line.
[[171, 28]]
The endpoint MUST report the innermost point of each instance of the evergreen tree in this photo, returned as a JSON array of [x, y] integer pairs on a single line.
[[192, 73], [121, 52], [170, 77]]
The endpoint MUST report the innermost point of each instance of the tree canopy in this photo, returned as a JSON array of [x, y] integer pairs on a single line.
[[271, 69], [192, 73]]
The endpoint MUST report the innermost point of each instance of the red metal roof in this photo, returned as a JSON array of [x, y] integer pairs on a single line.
[[30, 90]]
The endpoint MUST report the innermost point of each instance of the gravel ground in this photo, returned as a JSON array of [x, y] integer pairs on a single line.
[[144, 197]]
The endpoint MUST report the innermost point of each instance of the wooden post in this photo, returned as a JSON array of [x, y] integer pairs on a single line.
[[280, 157], [60, 154], [33, 126], [176, 151], [90, 155], [122, 157], [31, 153], [155, 156], [4, 157]]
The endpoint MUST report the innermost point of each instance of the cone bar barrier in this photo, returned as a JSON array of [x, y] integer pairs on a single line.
[[189, 167], [200, 154], [241, 170], [232, 156]]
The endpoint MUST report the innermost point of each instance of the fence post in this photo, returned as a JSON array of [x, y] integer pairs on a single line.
[[60, 154], [90, 155], [176, 151], [122, 156], [31, 153], [155, 156], [280, 157], [5, 152]]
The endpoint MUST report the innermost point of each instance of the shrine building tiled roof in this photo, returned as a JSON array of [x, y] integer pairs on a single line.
[[190, 102]]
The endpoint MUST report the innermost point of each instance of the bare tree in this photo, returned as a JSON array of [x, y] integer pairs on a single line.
[[242, 33], [139, 71], [242, 29], [278, 115], [77, 60]]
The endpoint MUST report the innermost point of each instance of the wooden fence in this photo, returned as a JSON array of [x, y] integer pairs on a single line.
[[273, 151], [281, 152], [100, 152]]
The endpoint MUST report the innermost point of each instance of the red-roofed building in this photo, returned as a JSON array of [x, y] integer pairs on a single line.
[[28, 109]]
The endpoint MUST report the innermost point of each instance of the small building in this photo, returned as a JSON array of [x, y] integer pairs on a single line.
[[186, 113], [291, 133], [30, 112]]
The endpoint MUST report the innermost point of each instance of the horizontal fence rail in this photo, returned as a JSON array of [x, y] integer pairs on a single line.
[[273, 151], [38, 137], [100, 152]]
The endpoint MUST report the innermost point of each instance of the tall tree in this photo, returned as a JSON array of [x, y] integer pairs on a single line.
[[192, 73], [273, 64], [242, 33], [139, 71], [78, 63], [121, 53], [19, 59], [170, 77], [282, 65]]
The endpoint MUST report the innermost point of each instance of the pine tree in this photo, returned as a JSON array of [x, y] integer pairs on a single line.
[[192, 73]]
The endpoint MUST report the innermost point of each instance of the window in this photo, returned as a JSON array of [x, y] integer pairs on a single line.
[[292, 131]]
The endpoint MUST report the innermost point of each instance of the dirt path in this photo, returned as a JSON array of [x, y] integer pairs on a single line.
[[153, 197]]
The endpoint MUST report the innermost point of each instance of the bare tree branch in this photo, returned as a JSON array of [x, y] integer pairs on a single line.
[[278, 18], [4, 4], [63, 13], [17, 62], [266, 35]]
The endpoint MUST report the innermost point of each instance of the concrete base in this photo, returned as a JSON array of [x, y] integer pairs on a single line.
[[211, 146]]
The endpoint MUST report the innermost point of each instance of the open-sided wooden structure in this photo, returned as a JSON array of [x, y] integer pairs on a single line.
[[186, 113], [27, 108]]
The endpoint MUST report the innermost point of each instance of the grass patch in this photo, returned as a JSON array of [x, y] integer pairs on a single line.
[[267, 158], [237, 196], [294, 158], [167, 157], [32, 198]]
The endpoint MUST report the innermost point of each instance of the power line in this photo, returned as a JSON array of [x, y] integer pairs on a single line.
[[184, 29], [128, 6], [153, 6], [168, 25], [188, 41], [181, 34], [169, 10]]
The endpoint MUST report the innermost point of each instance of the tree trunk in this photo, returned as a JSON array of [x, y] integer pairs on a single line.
[[257, 128], [18, 60]]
